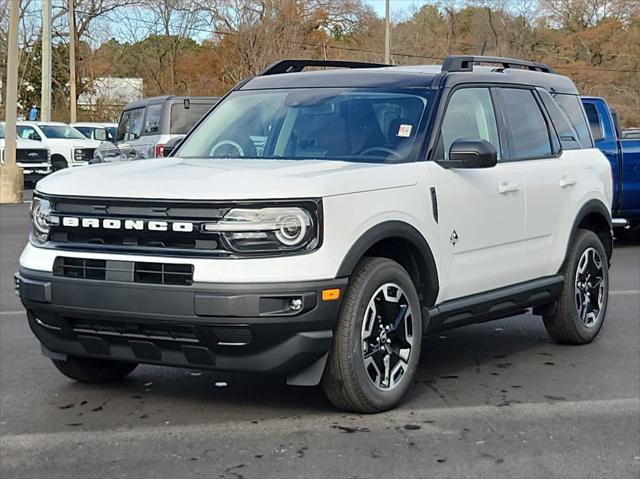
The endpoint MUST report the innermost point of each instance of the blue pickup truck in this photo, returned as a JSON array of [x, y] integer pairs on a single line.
[[624, 156]]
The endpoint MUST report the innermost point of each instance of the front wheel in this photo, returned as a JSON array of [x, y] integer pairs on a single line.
[[377, 341], [579, 312]]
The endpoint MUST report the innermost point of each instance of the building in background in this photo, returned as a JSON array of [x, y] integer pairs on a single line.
[[104, 97]]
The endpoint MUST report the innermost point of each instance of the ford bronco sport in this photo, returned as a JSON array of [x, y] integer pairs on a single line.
[[316, 224]]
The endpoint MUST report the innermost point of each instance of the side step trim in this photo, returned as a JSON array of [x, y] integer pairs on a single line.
[[620, 223], [495, 304]]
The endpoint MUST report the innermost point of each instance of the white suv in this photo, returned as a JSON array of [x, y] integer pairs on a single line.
[[69, 147], [317, 224]]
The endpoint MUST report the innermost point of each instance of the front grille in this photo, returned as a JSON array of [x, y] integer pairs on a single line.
[[163, 273], [138, 240], [27, 156], [80, 268], [87, 153], [124, 271]]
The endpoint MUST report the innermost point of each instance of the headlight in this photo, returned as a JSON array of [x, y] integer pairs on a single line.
[[267, 229], [78, 155], [42, 219]]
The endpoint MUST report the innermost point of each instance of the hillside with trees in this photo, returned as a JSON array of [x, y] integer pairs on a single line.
[[204, 47]]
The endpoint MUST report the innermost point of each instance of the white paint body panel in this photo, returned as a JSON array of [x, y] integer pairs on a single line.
[[494, 248]]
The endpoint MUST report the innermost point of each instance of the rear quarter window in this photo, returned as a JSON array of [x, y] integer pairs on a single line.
[[182, 119], [572, 107]]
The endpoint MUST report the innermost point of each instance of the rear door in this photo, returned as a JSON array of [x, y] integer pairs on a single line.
[[481, 211], [552, 176]]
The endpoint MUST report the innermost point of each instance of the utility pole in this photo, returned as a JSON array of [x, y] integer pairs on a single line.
[[72, 63], [11, 179], [45, 99], [387, 35]]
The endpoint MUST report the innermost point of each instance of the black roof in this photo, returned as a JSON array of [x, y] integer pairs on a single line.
[[419, 76]]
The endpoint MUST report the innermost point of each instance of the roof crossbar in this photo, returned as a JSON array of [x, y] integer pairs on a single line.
[[464, 63], [294, 66]]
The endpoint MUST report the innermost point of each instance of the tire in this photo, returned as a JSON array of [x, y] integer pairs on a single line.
[[353, 383], [58, 163], [579, 312], [89, 370]]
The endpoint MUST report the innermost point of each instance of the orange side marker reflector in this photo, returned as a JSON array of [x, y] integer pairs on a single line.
[[331, 294]]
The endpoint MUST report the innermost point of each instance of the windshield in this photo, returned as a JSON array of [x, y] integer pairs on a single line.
[[2, 135], [329, 123], [61, 132]]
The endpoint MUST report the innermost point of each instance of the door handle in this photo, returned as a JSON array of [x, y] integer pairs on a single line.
[[566, 182], [508, 187]]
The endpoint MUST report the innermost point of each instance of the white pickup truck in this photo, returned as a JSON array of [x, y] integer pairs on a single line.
[[32, 156], [69, 147]]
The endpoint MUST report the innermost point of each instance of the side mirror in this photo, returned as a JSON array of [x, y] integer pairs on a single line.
[[100, 134], [470, 153]]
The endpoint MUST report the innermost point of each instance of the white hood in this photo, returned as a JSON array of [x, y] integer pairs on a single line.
[[75, 143], [30, 145], [226, 179], [26, 144]]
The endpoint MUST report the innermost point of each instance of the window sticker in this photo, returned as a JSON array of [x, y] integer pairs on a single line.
[[404, 131]]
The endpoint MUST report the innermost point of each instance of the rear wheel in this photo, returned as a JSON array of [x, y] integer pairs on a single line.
[[89, 370], [579, 312], [377, 341]]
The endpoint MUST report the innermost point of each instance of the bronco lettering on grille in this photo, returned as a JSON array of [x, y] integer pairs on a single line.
[[136, 225]]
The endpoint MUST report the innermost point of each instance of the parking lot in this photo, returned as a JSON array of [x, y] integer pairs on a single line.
[[493, 400]]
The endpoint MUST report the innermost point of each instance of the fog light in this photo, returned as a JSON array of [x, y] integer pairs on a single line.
[[295, 304]]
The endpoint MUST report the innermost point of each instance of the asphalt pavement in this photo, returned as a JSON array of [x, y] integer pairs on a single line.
[[489, 401]]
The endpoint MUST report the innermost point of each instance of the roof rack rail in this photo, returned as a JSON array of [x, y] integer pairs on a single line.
[[294, 66], [464, 63]]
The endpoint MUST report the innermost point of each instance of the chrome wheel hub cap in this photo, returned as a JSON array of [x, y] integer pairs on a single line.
[[590, 287], [387, 336]]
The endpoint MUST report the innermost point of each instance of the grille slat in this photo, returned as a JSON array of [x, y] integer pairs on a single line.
[[151, 273]]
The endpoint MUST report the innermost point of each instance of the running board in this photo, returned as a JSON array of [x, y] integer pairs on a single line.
[[496, 304]]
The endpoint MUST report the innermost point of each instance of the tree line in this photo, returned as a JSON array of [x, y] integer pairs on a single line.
[[204, 47]]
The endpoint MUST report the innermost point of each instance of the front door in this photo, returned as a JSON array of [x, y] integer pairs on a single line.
[[480, 211]]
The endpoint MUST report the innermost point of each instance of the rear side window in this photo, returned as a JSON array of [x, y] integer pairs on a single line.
[[527, 130], [152, 120], [594, 121], [572, 107], [183, 119]]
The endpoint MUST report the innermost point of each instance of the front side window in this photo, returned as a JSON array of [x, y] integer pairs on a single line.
[[130, 126], [152, 120], [526, 127], [321, 123], [28, 133], [61, 132], [470, 115]]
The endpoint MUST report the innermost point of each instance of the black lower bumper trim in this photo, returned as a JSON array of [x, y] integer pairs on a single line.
[[248, 327]]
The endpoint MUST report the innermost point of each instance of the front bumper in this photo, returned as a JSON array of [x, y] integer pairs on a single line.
[[229, 327]]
